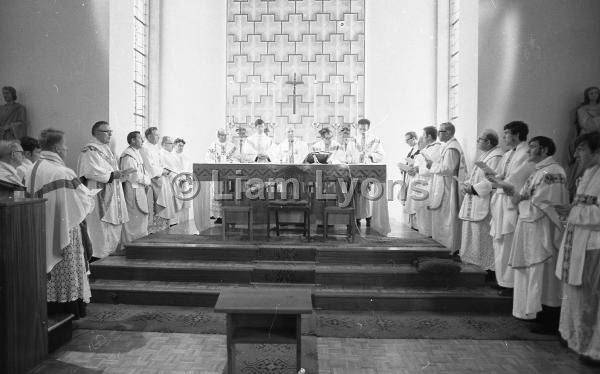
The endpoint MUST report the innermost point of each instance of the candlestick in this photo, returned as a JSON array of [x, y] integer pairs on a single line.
[[337, 96], [315, 100], [357, 96]]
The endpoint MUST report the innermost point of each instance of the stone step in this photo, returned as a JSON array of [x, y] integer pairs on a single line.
[[60, 330], [389, 275], [285, 252], [440, 299]]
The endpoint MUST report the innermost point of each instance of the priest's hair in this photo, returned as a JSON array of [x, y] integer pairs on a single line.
[[412, 134], [132, 136], [518, 128], [364, 121], [149, 130], [50, 138], [431, 131], [449, 126], [491, 136], [591, 139], [29, 144], [97, 125], [545, 142], [7, 147]]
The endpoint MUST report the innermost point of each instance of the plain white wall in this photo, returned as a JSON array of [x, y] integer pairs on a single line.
[[535, 59], [400, 76], [55, 53], [193, 63]]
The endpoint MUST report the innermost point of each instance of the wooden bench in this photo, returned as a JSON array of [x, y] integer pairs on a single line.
[[259, 316]]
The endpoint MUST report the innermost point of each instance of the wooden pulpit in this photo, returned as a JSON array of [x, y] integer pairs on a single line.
[[23, 318]]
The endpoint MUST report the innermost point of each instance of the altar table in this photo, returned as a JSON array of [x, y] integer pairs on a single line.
[[204, 174]]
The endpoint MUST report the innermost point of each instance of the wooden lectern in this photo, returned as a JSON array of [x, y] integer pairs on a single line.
[[23, 318]]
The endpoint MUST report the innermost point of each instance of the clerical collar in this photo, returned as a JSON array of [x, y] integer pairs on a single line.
[[545, 162], [51, 156]]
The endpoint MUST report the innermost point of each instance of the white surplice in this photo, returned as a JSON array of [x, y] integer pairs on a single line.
[[158, 197], [259, 144], [514, 168], [578, 266], [370, 151], [171, 183], [445, 198], [419, 189], [135, 190], [219, 153], [68, 203], [536, 240], [96, 163], [476, 242]]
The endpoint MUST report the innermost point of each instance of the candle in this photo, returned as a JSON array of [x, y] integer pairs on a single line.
[[357, 96], [315, 100], [337, 94]]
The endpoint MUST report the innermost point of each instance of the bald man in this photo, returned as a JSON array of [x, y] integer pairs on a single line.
[[476, 244]]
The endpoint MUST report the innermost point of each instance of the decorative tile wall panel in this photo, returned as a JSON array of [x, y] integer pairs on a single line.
[[295, 62]]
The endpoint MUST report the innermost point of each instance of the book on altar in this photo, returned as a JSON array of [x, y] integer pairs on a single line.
[[317, 158]]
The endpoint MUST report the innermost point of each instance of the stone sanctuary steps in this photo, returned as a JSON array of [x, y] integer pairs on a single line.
[[186, 272]]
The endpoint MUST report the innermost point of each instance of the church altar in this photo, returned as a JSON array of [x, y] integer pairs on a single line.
[[308, 173]]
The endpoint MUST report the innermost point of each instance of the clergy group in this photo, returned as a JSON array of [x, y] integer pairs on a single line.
[[509, 213]]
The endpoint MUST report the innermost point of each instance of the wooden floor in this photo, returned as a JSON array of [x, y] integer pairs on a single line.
[[93, 351]]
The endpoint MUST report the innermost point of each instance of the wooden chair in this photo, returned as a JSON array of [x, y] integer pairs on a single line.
[[339, 210], [292, 198], [241, 205]]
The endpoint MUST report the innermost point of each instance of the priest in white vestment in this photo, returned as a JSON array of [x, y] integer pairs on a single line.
[[509, 177], [135, 189], [578, 264], [327, 144], [419, 189], [186, 180], [370, 151], [348, 143], [98, 167], [68, 203], [446, 198], [291, 150], [172, 181], [243, 153], [409, 161], [538, 234], [31, 153], [221, 151], [476, 244], [158, 197], [260, 144], [11, 157]]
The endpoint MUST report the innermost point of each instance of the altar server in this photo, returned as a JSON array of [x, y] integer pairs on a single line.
[[370, 151], [419, 189], [509, 177], [171, 182], [158, 197], [260, 144], [222, 151], [135, 189]]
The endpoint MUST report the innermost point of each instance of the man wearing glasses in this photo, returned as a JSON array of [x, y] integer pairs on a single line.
[[11, 156], [99, 169], [476, 243], [445, 196]]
